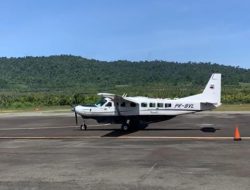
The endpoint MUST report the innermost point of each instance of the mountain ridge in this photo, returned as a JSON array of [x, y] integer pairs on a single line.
[[67, 71]]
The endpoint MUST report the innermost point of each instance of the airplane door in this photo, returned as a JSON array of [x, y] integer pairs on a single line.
[[109, 107]]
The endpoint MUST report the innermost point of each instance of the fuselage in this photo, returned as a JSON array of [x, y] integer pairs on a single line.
[[142, 108]]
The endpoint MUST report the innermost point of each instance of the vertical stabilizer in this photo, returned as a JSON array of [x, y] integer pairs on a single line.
[[212, 92]]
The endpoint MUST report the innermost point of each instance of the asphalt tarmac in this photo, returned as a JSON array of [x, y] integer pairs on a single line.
[[197, 151]]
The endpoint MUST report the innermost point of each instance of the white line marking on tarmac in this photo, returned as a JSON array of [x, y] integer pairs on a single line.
[[128, 137], [151, 169], [144, 176], [35, 128]]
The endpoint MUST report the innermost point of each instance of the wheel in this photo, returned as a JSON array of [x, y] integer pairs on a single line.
[[83, 127], [125, 127]]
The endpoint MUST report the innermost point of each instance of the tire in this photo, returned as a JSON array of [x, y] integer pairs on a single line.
[[125, 127], [81, 127]]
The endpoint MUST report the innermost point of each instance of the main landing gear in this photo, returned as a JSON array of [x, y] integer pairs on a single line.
[[125, 127], [130, 124]]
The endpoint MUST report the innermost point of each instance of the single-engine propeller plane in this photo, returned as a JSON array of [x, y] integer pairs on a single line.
[[130, 111]]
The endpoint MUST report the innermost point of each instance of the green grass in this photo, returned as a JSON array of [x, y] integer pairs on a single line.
[[244, 84], [234, 107]]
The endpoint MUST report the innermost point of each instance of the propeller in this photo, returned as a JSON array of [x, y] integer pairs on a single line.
[[76, 118]]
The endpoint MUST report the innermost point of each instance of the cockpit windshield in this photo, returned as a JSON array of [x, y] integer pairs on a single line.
[[100, 102]]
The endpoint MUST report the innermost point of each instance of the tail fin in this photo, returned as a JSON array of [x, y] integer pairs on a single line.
[[212, 91]]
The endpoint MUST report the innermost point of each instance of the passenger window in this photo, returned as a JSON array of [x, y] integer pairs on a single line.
[[152, 105], [144, 105], [123, 104], [167, 105], [132, 104], [109, 104], [160, 105]]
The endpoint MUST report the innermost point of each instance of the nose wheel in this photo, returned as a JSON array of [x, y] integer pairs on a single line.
[[83, 127]]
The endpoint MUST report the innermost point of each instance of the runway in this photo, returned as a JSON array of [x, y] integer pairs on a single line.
[[189, 152], [196, 126]]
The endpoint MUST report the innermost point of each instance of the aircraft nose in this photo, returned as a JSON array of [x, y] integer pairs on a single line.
[[76, 109]]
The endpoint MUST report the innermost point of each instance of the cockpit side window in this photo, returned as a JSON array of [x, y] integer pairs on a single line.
[[109, 104], [101, 102]]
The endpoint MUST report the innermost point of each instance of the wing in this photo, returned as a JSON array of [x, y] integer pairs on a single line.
[[116, 98]]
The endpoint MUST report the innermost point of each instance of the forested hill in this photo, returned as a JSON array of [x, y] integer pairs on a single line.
[[31, 74]]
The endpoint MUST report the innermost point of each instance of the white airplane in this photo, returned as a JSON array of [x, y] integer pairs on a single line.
[[130, 111]]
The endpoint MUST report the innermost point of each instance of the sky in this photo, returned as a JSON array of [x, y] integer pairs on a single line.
[[216, 31]]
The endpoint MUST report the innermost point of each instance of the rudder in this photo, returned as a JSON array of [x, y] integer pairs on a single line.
[[212, 91]]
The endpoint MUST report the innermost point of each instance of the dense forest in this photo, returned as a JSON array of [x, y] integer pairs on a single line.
[[66, 80]]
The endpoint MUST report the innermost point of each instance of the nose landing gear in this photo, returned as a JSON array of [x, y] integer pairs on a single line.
[[83, 127]]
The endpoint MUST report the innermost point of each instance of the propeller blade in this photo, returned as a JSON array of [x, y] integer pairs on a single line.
[[76, 118]]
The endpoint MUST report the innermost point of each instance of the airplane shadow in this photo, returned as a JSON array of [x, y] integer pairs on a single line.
[[118, 132]]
